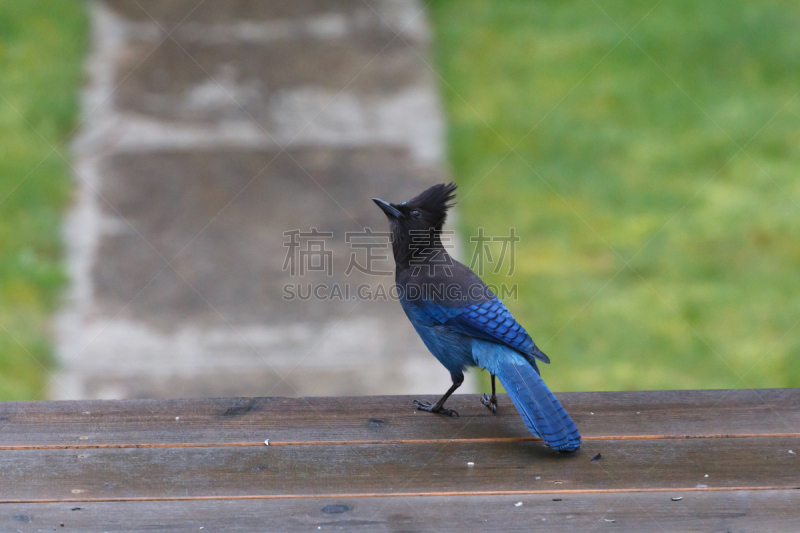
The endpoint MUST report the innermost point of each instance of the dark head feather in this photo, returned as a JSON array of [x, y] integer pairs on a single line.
[[424, 214], [434, 203]]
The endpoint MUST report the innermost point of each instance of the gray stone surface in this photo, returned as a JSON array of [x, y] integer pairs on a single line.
[[199, 149], [171, 12], [369, 64]]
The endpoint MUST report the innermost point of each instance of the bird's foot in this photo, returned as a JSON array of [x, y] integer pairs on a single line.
[[431, 408], [490, 402]]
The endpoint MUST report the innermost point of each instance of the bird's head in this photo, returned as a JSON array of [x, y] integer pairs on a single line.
[[427, 210], [423, 214]]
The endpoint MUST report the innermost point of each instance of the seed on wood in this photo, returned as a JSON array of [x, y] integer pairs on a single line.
[[518, 504], [596, 457], [677, 499]]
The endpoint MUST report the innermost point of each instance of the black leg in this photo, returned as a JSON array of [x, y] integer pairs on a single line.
[[438, 407], [490, 403]]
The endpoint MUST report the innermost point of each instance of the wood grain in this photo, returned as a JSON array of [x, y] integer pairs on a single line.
[[396, 468], [376, 464], [217, 421], [739, 511]]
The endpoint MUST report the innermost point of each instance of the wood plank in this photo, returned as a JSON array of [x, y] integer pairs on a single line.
[[745, 511], [396, 468], [388, 418]]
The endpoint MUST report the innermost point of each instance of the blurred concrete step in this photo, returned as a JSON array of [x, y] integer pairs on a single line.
[[219, 217], [172, 81], [198, 155], [351, 356], [171, 13]]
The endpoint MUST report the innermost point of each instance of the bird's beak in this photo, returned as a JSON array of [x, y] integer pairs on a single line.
[[389, 209]]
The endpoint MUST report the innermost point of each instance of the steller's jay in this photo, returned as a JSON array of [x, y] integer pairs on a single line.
[[463, 323]]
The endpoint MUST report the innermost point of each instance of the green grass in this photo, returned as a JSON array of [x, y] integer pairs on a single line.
[[628, 153], [41, 49]]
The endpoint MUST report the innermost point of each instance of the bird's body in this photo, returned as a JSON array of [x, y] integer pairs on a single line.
[[463, 323]]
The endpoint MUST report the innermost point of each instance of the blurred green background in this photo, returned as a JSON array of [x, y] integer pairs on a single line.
[[42, 45], [646, 154], [652, 179]]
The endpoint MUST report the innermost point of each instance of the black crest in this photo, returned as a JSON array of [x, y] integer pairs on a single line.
[[434, 203]]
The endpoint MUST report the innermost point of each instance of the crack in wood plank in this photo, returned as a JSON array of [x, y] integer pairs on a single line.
[[377, 441], [393, 495]]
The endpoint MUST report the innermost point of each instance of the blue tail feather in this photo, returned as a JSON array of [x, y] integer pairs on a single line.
[[539, 408]]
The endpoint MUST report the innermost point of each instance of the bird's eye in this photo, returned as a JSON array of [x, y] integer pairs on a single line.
[[415, 214]]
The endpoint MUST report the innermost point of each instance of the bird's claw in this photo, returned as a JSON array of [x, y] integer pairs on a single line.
[[490, 402], [431, 408]]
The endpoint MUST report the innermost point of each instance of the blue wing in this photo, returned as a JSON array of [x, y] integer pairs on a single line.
[[490, 321]]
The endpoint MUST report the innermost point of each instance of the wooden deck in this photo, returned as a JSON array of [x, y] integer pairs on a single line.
[[669, 461]]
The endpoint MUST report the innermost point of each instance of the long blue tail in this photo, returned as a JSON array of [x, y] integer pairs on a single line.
[[541, 411]]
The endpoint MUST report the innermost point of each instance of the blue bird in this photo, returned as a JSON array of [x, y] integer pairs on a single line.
[[463, 323]]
